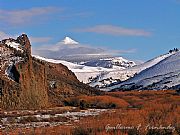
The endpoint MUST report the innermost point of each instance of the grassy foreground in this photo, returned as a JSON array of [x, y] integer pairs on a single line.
[[129, 113]]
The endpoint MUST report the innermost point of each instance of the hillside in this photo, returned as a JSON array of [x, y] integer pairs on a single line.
[[89, 72], [118, 73], [26, 82], [109, 73], [117, 76], [163, 75]]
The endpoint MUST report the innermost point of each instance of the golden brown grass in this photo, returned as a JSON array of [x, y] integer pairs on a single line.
[[153, 108]]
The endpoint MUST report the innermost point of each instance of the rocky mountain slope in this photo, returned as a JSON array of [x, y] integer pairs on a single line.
[[27, 82]]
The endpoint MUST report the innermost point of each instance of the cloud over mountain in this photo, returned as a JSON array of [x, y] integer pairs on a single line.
[[3, 35], [67, 48]]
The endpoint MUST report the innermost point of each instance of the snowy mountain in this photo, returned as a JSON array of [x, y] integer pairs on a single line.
[[94, 67], [70, 50], [114, 73], [116, 76], [83, 73], [114, 62], [165, 74], [69, 41], [89, 73]]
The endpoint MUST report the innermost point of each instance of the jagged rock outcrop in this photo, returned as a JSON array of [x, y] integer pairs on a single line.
[[27, 82], [23, 81]]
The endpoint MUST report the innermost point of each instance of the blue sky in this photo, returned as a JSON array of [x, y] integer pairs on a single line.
[[139, 29]]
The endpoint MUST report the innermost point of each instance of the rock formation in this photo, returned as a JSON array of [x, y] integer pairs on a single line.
[[29, 83]]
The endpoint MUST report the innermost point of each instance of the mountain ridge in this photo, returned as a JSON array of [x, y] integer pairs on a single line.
[[163, 75]]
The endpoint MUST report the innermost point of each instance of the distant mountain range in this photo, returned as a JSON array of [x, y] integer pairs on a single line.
[[117, 73], [113, 62], [88, 72], [106, 73]]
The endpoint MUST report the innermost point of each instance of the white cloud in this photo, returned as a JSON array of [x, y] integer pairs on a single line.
[[16, 17], [40, 39], [115, 30], [68, 15], [3, 35], [61, 50]]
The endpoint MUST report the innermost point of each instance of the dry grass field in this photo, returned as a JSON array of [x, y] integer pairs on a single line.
[[128, 113]]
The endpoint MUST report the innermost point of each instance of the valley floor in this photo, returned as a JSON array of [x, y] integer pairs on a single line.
[[120, 113]]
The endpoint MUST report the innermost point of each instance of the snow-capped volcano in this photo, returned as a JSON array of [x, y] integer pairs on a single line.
[[68, 40], [70, 50]]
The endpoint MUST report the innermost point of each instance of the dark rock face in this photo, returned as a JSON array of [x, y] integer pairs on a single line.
[[14, 73], [29, 83]]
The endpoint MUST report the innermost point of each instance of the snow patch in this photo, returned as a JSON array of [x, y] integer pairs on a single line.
[[13, 45]]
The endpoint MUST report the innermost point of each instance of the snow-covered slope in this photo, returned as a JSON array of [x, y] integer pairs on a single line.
[[122, 75], [83, 73], [111, 73], [114, 62], [165, 74], [68, 40], [13, 44], [103, 72]]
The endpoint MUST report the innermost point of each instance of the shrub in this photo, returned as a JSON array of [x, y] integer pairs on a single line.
[[81, 131], [96, 102]]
